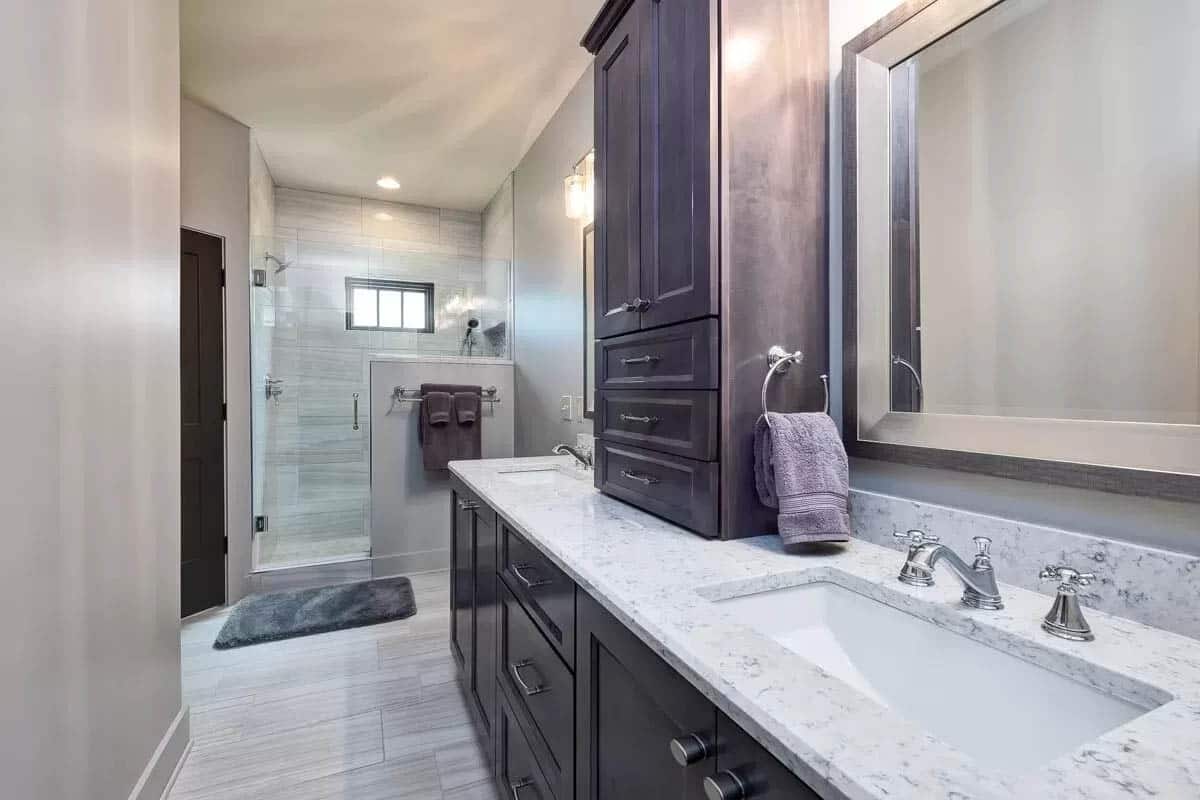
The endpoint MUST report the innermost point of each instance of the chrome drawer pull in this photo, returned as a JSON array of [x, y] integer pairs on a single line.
[[529, 691], [634, 476], [529, 583], [467, 505], [646, 420], [518, 785], [641, 360]]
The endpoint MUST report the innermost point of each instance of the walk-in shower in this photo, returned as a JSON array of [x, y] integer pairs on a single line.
[[311, 364]]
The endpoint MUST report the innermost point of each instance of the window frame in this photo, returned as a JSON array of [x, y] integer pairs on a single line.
[[380, 284]]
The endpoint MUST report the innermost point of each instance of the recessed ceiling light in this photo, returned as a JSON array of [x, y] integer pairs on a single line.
[[388, 182], [383, 216]]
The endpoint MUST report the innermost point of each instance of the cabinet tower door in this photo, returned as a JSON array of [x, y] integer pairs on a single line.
[[618, 178]]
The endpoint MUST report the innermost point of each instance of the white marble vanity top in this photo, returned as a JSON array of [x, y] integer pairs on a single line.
[[655, 577]]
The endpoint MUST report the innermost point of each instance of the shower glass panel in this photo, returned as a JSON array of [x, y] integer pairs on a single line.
[[311, 462]]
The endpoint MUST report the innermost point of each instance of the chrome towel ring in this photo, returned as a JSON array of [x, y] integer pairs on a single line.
[[780, 361]]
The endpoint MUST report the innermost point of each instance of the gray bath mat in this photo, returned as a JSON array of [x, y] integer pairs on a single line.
[[302, 612]]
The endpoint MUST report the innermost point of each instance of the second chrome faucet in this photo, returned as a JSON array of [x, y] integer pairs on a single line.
[[979, 578]]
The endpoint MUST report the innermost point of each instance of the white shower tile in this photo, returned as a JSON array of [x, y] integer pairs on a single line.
[[295, 208]]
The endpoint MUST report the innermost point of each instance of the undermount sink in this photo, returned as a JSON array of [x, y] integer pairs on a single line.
[[542, 476], [1004, 712]]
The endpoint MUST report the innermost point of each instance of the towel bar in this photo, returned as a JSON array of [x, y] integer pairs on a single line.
[[780, 360], [402, 395]]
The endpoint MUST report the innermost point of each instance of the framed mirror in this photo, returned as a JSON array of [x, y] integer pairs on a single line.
[[589, 320], [1021, 229]]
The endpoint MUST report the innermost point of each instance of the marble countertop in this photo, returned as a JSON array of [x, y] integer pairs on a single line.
[[659, 579]]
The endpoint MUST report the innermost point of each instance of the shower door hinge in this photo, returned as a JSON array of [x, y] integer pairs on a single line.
[[260, 523], [224, 412], [226, 544], [222, 279]]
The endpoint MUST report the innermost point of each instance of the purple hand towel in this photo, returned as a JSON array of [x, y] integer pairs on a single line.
[[800, 468]]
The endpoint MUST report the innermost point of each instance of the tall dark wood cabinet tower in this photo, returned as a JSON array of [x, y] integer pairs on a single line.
[[711, 244]]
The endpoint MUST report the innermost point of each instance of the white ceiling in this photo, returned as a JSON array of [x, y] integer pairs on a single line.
[[446, 95]]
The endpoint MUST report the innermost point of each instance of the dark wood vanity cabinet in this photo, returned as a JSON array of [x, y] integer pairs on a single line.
[[569, 703], [474, 600], [711, 195]]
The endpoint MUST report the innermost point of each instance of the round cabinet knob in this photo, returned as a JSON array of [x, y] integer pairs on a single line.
[[725, 786], [688, 750]]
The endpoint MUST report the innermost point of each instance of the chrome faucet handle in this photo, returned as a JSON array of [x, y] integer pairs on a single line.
[[916, 538], [1065, 619], [1069, 579], [983, 553]]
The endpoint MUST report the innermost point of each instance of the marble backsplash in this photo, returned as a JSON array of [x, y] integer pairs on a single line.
[[1157, 587]]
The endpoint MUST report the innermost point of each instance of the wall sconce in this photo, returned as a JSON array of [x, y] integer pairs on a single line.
[[579, 189]]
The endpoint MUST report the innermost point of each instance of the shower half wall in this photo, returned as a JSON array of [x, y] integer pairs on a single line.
[[314, 496]]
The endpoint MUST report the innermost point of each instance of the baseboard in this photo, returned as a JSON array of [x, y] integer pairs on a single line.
[[406, 563], [159, 775]]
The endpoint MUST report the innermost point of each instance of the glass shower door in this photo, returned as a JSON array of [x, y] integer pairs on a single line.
[[312, 427]]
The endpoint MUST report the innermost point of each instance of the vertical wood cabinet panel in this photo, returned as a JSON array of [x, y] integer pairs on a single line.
[[618, 180], [629, 705], [678, 270], [487, 617], [462, 580]]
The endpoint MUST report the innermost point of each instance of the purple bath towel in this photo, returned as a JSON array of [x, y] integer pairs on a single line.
[[800, 468]]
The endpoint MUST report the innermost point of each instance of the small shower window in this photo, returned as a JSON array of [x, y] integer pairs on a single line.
[[380, 305]]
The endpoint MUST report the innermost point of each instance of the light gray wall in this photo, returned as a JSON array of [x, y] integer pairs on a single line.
[[410, 524], [215, 198], [548, 279], [89, 467], [1145, 521]]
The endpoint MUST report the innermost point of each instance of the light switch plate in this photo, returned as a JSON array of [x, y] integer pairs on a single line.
[[565, 405]]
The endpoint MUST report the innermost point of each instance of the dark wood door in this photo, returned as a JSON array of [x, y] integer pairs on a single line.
[[741, 760], [462, 583], [487, 617], [619, 177], [202, 421], [630, 705], [678, 275]]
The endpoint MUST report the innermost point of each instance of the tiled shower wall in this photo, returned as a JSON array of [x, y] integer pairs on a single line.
[[316, 489]]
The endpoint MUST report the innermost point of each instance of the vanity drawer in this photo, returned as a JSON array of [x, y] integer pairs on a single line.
[[676, 357], [517, 770], [544, 589], [541, 685], [682, 490], [683, 423]]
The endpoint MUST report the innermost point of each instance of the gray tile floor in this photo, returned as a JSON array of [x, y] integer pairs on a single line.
[[372, 713]]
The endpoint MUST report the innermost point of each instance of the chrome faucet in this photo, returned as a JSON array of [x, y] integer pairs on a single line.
[[1065, 619], [978, 579], [584, 459]]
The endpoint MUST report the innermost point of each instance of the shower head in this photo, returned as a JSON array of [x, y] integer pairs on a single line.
[[281, 265], [472, 323]]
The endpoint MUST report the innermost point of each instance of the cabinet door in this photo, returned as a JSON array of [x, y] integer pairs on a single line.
[[630, 706], [462, 582], [618, 178], [678, 264], [743, 765], [486, 617]]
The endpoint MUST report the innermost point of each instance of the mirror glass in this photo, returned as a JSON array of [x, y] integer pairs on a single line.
[[1047, 239], [1026, 227]]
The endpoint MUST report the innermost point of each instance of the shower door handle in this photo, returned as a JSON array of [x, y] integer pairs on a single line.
[[356, 411]]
